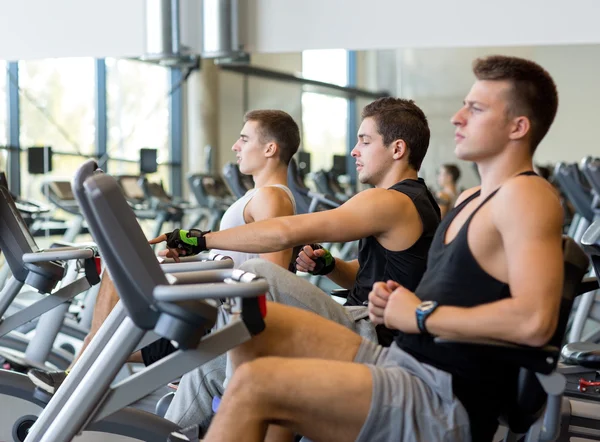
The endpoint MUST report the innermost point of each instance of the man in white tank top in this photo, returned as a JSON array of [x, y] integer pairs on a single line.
[[267, 142]]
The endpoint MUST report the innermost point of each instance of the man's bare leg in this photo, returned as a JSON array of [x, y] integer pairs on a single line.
[[326, 395]]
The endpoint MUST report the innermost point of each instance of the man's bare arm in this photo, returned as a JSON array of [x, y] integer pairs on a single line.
[[531, 233], [269, 203], [344, 273], [532, 237], [371, 212]]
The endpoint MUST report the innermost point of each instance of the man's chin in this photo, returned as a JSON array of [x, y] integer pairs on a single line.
[[462, 154]]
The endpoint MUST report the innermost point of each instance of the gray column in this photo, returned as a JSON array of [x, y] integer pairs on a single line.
[[202, 116]]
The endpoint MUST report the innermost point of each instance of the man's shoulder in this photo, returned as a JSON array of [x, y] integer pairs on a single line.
[[272, 193], [523, 189], [383, 199], [271, 196], [527, 198]]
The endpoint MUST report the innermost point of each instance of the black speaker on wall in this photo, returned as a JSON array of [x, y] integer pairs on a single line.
[[303, 163], [148, 160], [39, 160]]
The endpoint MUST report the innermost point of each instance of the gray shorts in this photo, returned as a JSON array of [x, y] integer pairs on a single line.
[[411, 401]]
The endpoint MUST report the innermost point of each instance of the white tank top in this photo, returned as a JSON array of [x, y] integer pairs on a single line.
[[234, 217]]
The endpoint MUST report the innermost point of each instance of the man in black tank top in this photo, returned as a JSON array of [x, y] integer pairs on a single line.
[[394, 222], [495, 265], [495, 270]]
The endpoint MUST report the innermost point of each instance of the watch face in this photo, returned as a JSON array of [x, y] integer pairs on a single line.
[[424, 306]]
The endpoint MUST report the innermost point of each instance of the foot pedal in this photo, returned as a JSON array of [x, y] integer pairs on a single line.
[[189, 434], [42, 395]]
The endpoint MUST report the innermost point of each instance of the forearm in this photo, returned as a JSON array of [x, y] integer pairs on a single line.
[[260, 237], [504, 320], [344, 273]]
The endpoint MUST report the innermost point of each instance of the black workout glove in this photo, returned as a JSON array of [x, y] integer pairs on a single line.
[[191, 241], [323, 264]]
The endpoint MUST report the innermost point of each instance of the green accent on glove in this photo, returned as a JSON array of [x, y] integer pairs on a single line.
[[328, 257], [323, 264], [191, 240]]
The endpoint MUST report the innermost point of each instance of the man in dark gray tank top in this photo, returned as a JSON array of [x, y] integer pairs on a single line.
[[495, 270]]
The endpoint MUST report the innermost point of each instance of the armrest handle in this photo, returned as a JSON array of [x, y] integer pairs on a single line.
[[62, 254], [537, 359], [189, 292], [204, 256], [194, 266], [342, 293]]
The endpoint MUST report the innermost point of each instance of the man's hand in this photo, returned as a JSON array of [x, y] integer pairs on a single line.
[[394, 306], [167, 253], [401, 310], [378, 300], [306, 260], [181, 243]]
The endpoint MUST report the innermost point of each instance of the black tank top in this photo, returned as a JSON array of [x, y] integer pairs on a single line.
[[376, 263], [484, 385]]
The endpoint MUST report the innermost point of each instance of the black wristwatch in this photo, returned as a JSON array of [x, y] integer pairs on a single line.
[[425, 309]]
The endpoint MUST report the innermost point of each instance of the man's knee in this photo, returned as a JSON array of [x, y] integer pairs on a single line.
[[259, 267], [253, 381]]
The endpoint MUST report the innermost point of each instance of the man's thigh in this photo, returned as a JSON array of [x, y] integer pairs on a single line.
[[411, 401], [289, 289]]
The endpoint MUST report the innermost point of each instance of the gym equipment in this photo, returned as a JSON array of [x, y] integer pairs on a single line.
[[238, 183], [572, 181], [581, 362], [150, 300], [60, 194], [577, 190], [307, 201], [41, 270], [213, 198]]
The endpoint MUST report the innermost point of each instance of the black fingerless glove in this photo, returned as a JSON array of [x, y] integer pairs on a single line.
[[323, 264], [191, 241]]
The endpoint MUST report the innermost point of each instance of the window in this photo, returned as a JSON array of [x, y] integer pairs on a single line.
[[56, 98], [327, 65], [325, 127], [57, 104], [137, 114], [324, 117]]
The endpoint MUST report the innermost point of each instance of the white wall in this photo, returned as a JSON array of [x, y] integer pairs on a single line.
[[285, 25], [74, 28], [31, 29]]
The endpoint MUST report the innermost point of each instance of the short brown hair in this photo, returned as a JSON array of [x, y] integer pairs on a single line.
[[399, 119], [278, 126], [533, 93]]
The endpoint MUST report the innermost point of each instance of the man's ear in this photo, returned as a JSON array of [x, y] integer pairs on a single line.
[[399, 149], [521, 126], [271, 149]]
